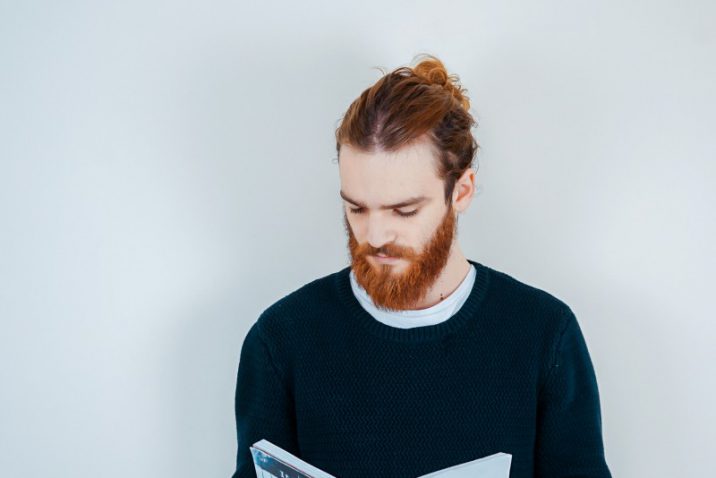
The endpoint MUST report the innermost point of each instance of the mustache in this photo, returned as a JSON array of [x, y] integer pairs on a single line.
[[388, 250]]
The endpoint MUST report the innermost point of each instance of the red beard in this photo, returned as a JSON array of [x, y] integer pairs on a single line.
[[400, 291]]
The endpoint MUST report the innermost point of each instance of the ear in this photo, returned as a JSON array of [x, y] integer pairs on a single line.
[[464, 190]]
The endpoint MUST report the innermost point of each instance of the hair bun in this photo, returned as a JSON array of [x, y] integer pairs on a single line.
[[433, 70]]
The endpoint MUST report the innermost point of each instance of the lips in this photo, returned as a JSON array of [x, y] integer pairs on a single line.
[[385, 259]]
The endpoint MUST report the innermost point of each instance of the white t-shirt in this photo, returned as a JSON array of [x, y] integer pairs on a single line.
[[407, 319]]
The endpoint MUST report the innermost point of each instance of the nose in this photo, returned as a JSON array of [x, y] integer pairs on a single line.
[[379, 232]]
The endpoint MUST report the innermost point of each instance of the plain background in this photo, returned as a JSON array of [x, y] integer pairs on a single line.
[[168, 171]]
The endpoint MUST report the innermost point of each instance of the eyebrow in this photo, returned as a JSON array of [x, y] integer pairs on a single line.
[[407, 202]]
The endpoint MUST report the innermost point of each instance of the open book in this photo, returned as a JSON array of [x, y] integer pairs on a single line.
[[272, 461]]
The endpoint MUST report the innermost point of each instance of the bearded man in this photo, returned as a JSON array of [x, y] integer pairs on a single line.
[[414, 358]]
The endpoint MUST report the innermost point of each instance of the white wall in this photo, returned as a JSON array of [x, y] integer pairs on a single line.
[[166, 173]]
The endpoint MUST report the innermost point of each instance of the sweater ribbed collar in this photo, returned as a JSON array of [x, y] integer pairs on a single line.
[[428, 333]]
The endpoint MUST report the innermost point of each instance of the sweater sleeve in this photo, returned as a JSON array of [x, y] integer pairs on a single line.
[[569, 430], [263, 408]]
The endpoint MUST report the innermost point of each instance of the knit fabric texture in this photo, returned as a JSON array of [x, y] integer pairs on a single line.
[[509, 372]]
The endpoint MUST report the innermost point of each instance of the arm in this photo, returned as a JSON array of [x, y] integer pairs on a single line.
[[262, 405], [569, 429]]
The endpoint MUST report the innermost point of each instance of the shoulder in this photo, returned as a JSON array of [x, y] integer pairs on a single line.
[[534, 320], [286, 315], [525, 305], [283, 328]]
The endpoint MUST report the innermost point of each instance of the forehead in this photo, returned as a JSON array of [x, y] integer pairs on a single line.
[[382, 177]]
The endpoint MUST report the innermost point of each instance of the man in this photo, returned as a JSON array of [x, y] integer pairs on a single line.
[[415, 358]]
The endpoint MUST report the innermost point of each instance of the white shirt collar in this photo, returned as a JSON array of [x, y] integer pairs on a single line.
[[406, 319]]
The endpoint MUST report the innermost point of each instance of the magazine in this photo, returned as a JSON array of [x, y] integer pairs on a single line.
[[272, 461]]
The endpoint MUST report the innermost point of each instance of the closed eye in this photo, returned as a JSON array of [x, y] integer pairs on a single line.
[[360, 210]]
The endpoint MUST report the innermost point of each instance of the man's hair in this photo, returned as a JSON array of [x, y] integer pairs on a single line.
[[407, 103]]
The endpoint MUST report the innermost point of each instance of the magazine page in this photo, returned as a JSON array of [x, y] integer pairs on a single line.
[[492, 466], [272, 461]]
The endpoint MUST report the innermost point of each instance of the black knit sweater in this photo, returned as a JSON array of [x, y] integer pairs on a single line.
[[508, 372]]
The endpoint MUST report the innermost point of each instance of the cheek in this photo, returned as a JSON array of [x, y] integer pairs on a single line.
[[350, 223], [359, 230], [355, 228], [423, 233]]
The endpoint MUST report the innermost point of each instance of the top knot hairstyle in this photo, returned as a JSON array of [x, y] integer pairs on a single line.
[[407, 103]]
